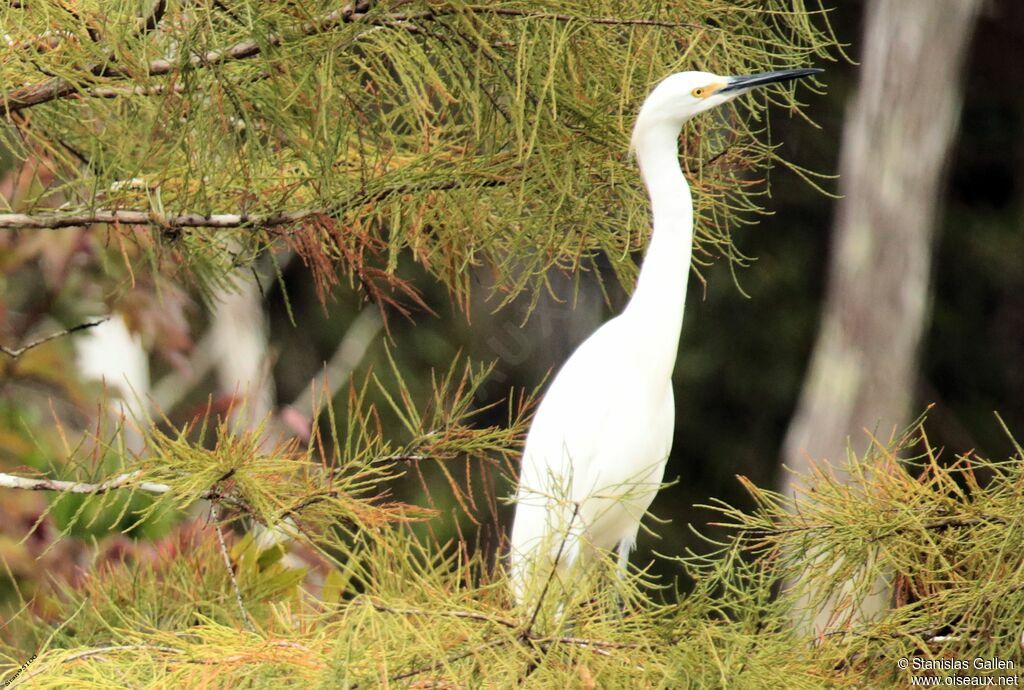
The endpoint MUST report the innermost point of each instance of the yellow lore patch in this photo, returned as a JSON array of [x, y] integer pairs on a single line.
[[705, 91]]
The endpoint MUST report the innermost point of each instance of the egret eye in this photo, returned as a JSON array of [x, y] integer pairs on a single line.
[[698, 92]]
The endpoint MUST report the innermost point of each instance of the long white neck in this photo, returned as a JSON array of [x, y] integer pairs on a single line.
[[656, 308]]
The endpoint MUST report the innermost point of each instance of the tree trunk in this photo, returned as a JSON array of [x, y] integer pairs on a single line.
[[899, 129]]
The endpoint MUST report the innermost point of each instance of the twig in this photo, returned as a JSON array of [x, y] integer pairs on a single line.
[[398, 19], [319, 497], [53, 221], [935, 524], [121, 481], [94, 34], [551, 576], [526, 635], [610, 21], [586, 642], [15, 352], [57, 87], [155, 16], [927, 635], [434, 666], [215, 520], [505, 622], [600, 647], [175, 386], [346, 358], [95, 651], [10, 481], [152, 90], [178, 656], [406, 457], [118, 91], [714, 159], [471, 615]]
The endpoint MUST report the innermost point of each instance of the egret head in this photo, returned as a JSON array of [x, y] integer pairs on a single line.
[[681, 96]]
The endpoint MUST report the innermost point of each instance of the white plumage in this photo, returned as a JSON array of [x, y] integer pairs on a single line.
[[595, 454], [114, 355]]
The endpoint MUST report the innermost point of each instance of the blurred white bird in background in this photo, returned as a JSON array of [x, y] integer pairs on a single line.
[[596, 451], [110, 353]]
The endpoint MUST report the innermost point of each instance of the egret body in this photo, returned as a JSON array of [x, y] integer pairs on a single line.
[[596, 451]]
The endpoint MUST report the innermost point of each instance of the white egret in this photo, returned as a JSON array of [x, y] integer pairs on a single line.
[[596, 451], [112, 354]]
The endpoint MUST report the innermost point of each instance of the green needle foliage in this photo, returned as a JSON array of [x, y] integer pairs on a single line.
[[392, 609], [463, 134], [200, 135]]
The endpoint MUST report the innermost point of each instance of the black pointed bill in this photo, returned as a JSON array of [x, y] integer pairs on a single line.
[[752, 81]]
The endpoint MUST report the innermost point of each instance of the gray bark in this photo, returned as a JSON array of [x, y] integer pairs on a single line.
[[899, 129]]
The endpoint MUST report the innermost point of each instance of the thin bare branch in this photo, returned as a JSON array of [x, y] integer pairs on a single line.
[[346, 358], [505, 622], [610, 21], [437, 665], [152, 21], [554, 568], [151, 90], [940, 523], [57, 87], [407, 457], [125, 480], [176, 385], [15, 352], [178, 656], [215, 521], [96, 651], [53, 221], [471, 615], [586, 642], [120, 91]]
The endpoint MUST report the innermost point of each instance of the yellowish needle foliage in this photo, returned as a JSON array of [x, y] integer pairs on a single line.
[[489, 135]]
